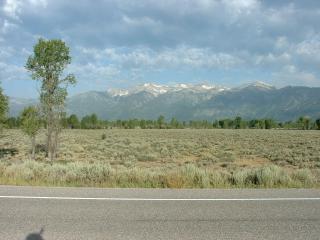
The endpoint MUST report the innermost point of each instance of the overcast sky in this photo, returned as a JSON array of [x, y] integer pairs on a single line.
[[119, 44]]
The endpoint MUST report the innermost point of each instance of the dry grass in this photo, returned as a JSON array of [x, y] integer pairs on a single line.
[[167, 158]]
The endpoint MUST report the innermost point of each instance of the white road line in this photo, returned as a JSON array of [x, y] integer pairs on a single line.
[[162, 199]]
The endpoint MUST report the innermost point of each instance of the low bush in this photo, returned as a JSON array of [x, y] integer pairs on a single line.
[[103, 136]]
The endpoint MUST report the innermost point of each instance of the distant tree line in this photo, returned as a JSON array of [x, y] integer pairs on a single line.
[[93, 122]]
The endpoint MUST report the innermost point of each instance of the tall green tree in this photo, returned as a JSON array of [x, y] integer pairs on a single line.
[[304, 123], [318, 123], [12, 122], [238, 122], [161, 122], [269, 123], [142, 124], [30, 125], [3, 107], [174, 123], [73, 122], [94, 120], [47, 64]]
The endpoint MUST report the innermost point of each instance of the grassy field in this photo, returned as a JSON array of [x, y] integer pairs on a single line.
[[166, 158]]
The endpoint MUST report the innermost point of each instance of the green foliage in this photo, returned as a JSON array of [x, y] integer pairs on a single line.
[[225, 123], [174, 123], [3, 107], [30, 121], [238, 123], [93, 122], [270, 123], [161, 122], [103, 136], [49, 60], [304, 123], [318, 123], [73, 122], [13, 122], [31, 124], [47, 64], [142, 124], [90, 122]]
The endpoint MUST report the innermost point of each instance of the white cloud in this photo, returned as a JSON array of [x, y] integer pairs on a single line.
[[13, 8], [291, 75], [238, 7], [10, 72], [280, 16], [281, 42], [310, 48], [136, 37], [273, 59], [6, 52], [89, 71], [140, 22], [289, 69], [7, 26], [179, 57], [38, 3]]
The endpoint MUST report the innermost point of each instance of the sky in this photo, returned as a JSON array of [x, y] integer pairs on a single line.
[[124, 43]]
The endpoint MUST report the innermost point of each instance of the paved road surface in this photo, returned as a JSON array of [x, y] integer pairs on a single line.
[[93, 213]]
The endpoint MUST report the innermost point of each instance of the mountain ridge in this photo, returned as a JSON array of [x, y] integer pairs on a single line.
[[193, 102]]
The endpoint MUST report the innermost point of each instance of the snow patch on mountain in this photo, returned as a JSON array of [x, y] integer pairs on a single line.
[[157, 89], [258, 84], [118, 92]]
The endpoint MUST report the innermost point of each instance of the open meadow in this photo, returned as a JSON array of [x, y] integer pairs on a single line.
[[166, 158]]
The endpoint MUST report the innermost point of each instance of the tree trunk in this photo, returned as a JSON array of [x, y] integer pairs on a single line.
[[49, 141], [55, 141], [33, 142]]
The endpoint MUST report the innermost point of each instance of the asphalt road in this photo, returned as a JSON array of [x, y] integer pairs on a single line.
[[93, 213]]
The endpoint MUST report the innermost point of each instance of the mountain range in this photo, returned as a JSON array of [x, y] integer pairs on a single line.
[[190, 102]]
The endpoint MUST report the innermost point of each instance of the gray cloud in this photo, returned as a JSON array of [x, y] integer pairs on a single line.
[[154, 24], [170, 34]]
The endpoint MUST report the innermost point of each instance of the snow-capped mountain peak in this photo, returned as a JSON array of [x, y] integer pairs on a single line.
[[211, 88], [118, 92], [262, 85], [157, 89], [207, 87], [152, 88], [258, 84], [182, 85]]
